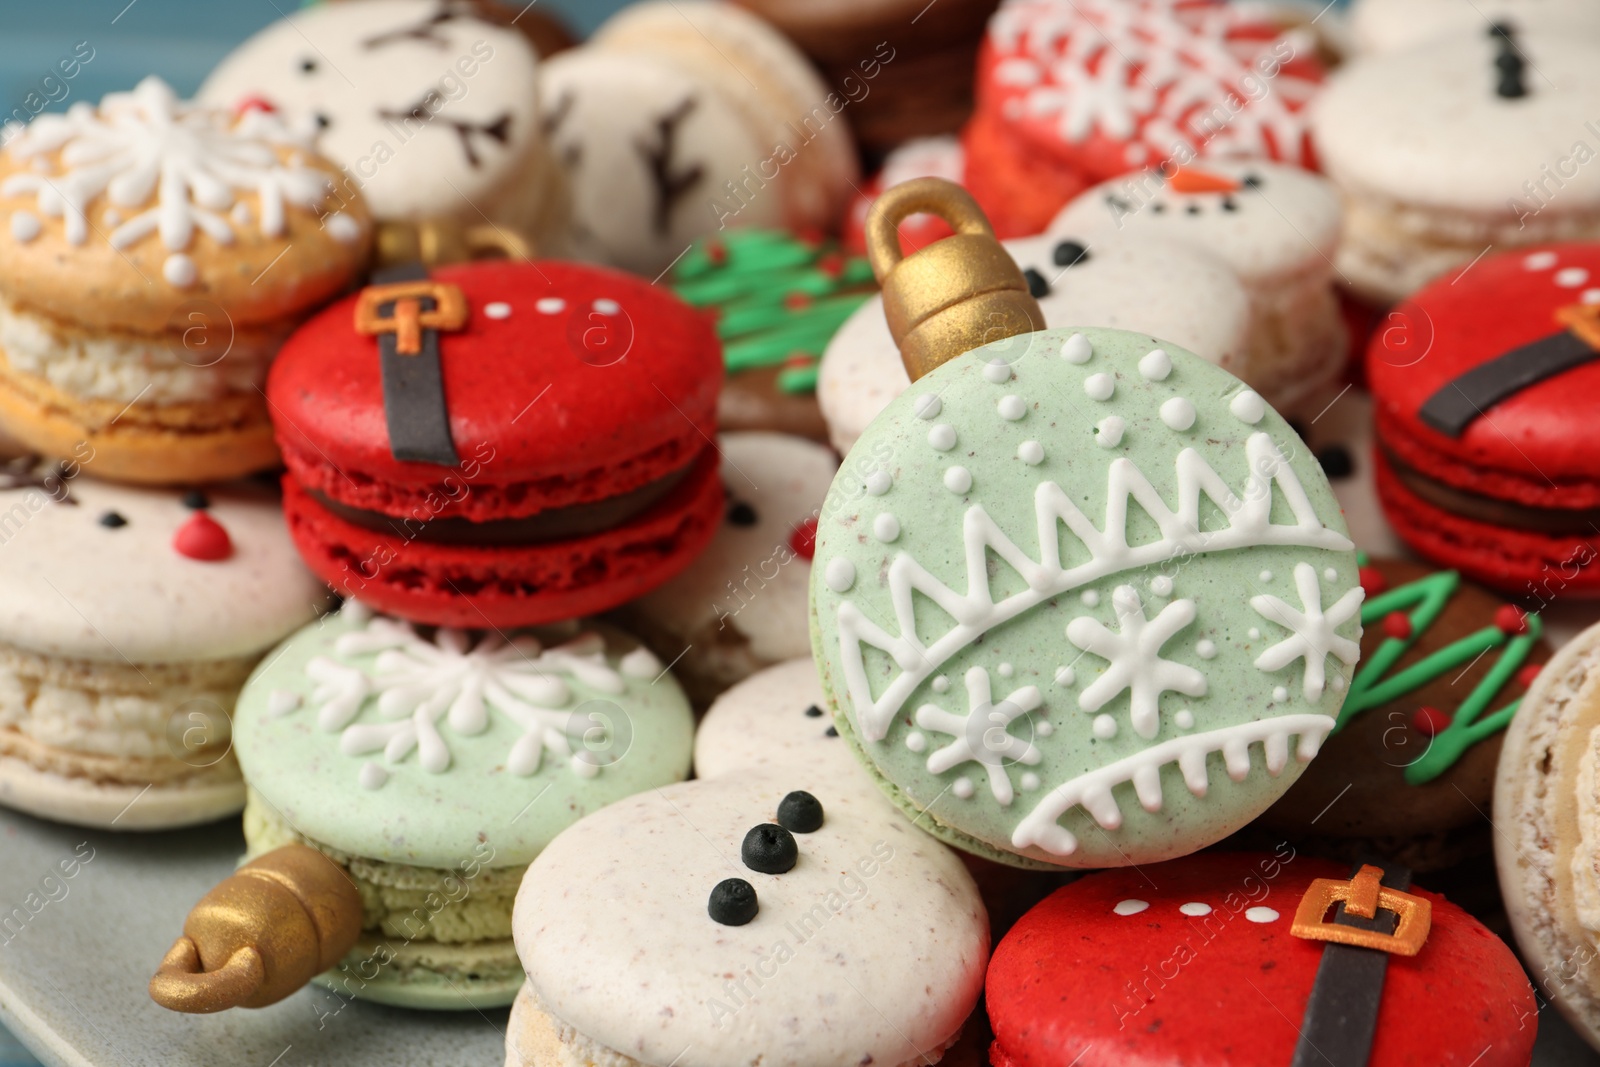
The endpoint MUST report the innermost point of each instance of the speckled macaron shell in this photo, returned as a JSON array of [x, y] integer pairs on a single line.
[[1387, 25], [519, 741], [871, 949], [1080, 514], [1138, 283], [774, 720], [99, 579]]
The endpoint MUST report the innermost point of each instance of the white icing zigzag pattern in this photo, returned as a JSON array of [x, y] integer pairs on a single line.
[[976, 611], [418, 683], [1093, 791], [146, 144]]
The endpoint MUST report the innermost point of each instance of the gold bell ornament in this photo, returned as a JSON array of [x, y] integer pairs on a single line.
[[955, 295], [437, 242], [261, 933]]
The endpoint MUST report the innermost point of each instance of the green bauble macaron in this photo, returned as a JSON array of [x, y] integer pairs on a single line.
[[1083, 599], [434, 765]]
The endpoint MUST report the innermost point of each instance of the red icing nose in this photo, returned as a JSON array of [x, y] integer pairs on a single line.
[[202, 537], [1201, 181], [254, 103], [803, 539]]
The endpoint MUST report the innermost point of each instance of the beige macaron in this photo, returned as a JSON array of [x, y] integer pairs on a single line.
[[155, 255]]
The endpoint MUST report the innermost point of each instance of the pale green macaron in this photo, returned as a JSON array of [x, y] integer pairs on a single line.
[[1081, 598], [434, 765]]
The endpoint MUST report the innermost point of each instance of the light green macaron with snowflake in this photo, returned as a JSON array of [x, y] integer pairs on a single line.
[[434, 765], [1081, 598]]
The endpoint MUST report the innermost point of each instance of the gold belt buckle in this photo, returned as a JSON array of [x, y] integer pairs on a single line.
[[408, 320], [1583, 320], [1363, 896]]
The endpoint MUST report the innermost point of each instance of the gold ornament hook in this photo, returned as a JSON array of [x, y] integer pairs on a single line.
[[437, 242], [955, 295], [261, 933]]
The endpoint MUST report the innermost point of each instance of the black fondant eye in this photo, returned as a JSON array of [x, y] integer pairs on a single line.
[[814, 712], [1070, 254], [323, 121], [800, 812], [832, 731], [1193, 209], [1158, 207], [1229, 204], [733, 902], [1336, 461], [1252, 181], [1038, 287], [769, 848], [194, 499], [308, 66], [112, 521], [742, 514]]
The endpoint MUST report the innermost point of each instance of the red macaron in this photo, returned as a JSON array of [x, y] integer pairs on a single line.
[[1484, 383], [542, 452], [1193, 961]]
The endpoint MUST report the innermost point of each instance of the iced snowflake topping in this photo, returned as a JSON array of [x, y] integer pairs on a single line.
[[421, 684], [1311, 630], [983, 734], [170, 168], [1135, 660]]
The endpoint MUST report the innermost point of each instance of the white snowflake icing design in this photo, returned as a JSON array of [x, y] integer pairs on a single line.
[[1311, 636], [418, 682], [147, 145], [983, 734], [1135, 659]]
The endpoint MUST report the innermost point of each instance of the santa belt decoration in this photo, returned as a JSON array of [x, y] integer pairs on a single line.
[[1372, 917], [1462, 400], [406, 312]]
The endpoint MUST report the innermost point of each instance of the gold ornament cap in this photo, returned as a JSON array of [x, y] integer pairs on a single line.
[[957, 294], [261, 933], [437, 242]]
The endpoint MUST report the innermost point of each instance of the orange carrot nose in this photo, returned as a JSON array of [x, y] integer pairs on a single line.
[[1201, 181]]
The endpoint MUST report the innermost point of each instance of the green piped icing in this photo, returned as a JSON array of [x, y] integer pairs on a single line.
[[778, 299], [1423, 601]]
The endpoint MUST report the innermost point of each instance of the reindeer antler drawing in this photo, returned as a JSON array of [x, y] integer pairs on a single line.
[[670, 184]]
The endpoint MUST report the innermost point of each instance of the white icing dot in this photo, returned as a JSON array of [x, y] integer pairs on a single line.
[[550, 305], [963, 788], [640, 663], [1571, 277], [840, 574], [1253, 633], [281, 702], [1205, 648], [1108, 433], [958, 479], [1030, 781], [1161, 585], [1331, 574], [997, 371], [1105, 727], [1031, 453], [1100, 386], [1077, 349], [942, 437], [1539, 261], [915, 741], [1184, 719], [1066, 676], [1195, 909], [1279, 694], [885, 527], [372, 776], [1011, 407], [1044, 729], [240, 215], [1265, 576], [1261, 915], [927, 406], [1005, 670], [342, 228], [603, 306], [878, 482], [1590, 296], [497, 310], [941, 684], [1248, 407], [1090, 597], [1130, 907], [354, 610], [1155, 365], [1337, 682], [1178, 413], [24, 226], [179, 270]]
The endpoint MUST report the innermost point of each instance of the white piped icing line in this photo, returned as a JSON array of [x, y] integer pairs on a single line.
[[1077, 349], [174, 167], [1134, 658], [983, 734], [1311, 630], [416, 684], [1093, 791], [1109, 430], [1130, 907]]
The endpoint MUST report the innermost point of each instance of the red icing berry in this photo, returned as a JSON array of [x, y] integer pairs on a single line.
[[831, 264], [1430, 721], [810, 235], [1511, 619], [799, 359], [254, 103], [716, 252], [803, 538], [1528, 673], [1397, 624], [1372, 581], [797, 301], [202, 538]]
